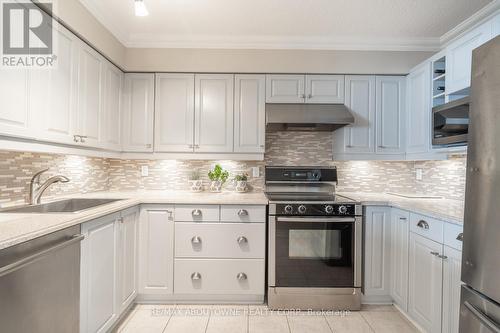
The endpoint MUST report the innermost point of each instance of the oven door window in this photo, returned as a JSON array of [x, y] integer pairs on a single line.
[[314, 254]]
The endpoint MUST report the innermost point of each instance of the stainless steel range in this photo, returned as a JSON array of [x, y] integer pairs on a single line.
[[315, 241]]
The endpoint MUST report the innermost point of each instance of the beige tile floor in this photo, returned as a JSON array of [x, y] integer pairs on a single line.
[[258, 319]]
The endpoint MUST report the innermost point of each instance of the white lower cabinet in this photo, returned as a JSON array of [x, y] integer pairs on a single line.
[[425, 282], [108, 269], [400, 233], [156, 250], [452, 266], [377, 255]]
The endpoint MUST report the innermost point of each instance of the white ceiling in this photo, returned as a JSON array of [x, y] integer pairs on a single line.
[[303, 24]]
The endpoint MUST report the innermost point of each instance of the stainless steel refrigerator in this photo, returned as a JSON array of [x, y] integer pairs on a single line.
[[480, 296]]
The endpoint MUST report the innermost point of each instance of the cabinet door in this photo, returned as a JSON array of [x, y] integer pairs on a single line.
[[285, 89], [53, 92], [325, 89], [377, 254], [98, 272], [425, 283], [127, 258], [400, 233], [452, 266], [14, 113], [110, 129], [138, 113], [174, 113], [390, 110], [360, 99], [459, 57], [418, 127], [249, 114], [213, 113], [90, 88], [156, 250]]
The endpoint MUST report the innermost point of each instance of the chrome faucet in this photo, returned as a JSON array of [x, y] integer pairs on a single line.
[[37, 189]]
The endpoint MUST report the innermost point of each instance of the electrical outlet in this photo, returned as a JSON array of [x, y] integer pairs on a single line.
[[144, 171], [418, 174], [255, 171]]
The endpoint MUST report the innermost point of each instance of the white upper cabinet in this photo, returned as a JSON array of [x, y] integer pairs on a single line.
[[213, 113], [138, 113], [419, 110], [111, 115], [15, 119], [496, 26], [425, 283], [174, 113], [90, 101], [390, 110], [324, 89], [400, 226], [249, 113], [285, 89], [459, 57], [360, 99], [54, 92]]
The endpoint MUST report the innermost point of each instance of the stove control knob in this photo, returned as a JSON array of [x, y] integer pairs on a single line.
[[288, 209], [329, 209], [302, 209], [342, 209]]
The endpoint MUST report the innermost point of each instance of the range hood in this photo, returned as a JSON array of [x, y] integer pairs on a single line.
[[307, 117]]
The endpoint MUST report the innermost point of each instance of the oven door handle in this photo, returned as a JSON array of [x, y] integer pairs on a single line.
[[313, 219]]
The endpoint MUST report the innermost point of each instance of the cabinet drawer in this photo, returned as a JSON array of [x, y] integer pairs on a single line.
[[452, 235], [427, 226], [235, 213], [220, 240], [219, 276], [197, 213]]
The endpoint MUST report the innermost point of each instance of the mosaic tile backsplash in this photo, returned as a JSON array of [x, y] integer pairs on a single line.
[[443, 178]]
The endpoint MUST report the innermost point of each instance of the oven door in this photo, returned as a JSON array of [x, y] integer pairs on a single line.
[[315, 252]]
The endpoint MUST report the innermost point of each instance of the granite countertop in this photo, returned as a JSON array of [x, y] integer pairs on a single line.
[[444, 209], [18, 228]]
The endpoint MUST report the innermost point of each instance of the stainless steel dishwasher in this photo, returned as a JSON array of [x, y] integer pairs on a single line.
[[40, 284]]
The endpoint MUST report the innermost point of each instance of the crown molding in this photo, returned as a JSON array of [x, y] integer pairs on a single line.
[[476, 19]]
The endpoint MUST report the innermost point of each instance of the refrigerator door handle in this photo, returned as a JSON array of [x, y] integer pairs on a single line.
[[488, 322]]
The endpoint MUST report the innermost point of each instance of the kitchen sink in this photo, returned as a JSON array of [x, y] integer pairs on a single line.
[[63, 206]]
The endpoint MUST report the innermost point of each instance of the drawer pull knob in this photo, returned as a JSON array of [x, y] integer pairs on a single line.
[[196, 240], [195, 276], [196, 212], [242, 239], [241, 276], [243, 212], [422, 224], [460, 237], [435, 253]]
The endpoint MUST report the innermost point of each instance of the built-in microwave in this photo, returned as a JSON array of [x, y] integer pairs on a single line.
[[450, 123]]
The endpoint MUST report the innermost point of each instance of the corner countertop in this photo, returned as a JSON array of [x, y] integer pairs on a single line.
[[448, 210], [18, 228]]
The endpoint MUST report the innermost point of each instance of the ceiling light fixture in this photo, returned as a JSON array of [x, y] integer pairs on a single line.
[[140, 8]]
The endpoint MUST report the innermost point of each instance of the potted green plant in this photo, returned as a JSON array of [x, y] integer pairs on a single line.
[[241, 182], [195, 182], [218, 177]]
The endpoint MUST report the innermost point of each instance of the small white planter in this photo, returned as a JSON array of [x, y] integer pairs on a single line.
[[196, 185], [215, 186], [241, 186]]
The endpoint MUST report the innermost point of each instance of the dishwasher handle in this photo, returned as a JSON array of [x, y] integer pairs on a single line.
[[18, 264]]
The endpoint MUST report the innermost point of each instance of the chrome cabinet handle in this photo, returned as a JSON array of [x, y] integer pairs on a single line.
[[460, 237], [120, 219], [241, 276], [302, 96], [310, 96], [242, 239], [170, 215], [435, 253], [443, 257], [196, 212], [422, 224], [82, 138], [196, 240], [382, 146], [195, 276], [402, 218], [243, 212], [75, 138]]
